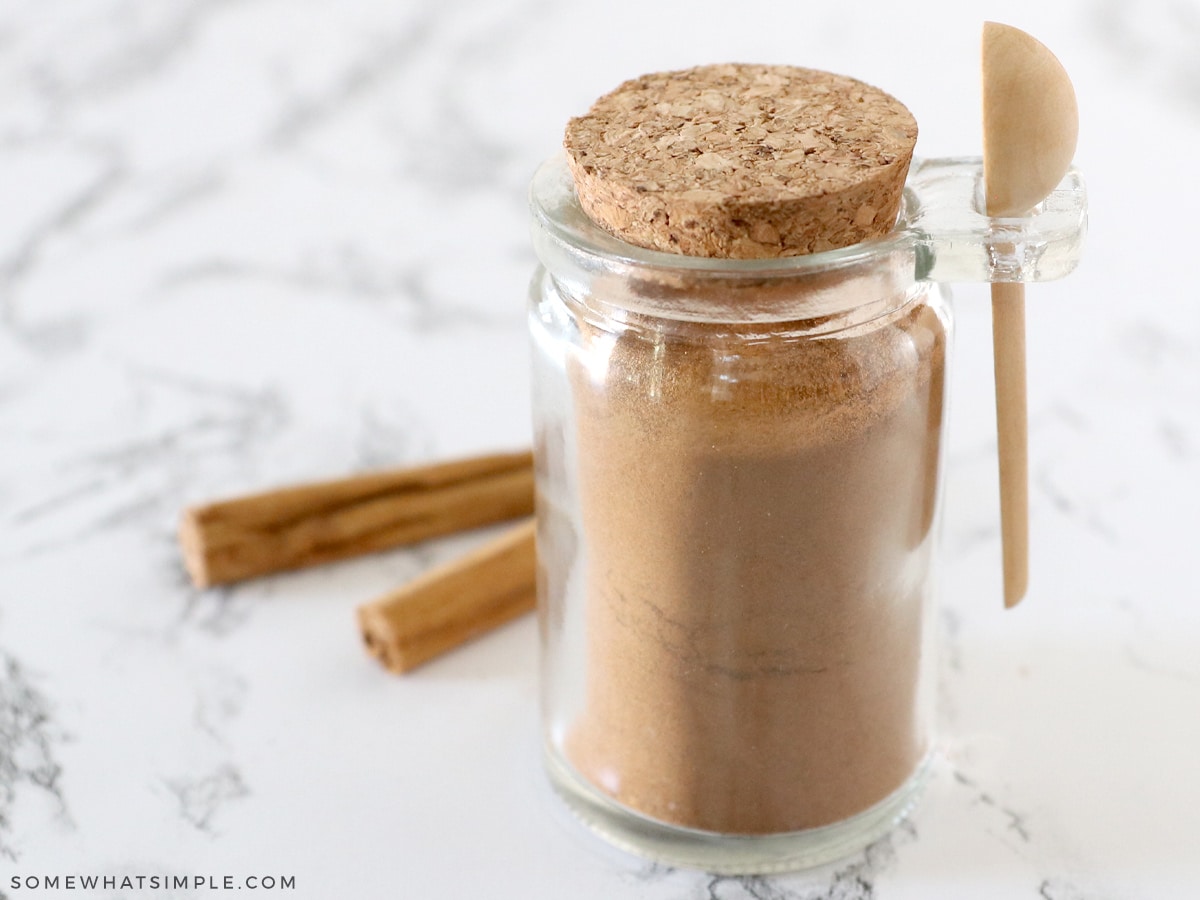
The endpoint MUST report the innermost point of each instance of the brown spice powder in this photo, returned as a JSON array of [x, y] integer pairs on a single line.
[[757, 515], [756, 506]]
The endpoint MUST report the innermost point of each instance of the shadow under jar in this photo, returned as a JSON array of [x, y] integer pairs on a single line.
[[738, 478]]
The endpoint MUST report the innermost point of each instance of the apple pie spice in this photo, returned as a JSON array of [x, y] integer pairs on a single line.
[[755, 498]]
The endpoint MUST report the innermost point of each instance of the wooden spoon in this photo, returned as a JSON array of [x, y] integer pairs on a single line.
[[1030, 125]]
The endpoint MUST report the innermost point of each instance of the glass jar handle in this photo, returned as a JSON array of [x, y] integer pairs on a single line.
[[956, 241]]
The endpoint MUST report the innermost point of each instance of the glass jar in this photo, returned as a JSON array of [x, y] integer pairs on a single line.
[[738, 473]]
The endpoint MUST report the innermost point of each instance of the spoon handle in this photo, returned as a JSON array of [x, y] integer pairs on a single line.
[[1008, 349]]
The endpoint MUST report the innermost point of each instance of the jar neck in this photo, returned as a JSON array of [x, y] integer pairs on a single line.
[[609, 279]]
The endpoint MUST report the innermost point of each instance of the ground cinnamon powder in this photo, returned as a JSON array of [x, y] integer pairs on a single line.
[[756, 559], [756, 501]]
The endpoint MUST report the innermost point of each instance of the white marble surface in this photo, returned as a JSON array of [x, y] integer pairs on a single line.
[[245, 242]]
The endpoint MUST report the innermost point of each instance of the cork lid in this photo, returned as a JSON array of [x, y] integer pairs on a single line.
[[742, 161]]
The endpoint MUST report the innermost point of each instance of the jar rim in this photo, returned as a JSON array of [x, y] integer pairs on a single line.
[[859, 280], [555, 208]]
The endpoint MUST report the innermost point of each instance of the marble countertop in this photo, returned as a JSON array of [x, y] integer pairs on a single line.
[[250, 242]]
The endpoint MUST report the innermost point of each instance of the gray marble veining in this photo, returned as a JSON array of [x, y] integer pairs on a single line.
[[28, 740]]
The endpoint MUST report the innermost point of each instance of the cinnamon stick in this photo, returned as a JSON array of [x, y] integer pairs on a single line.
[[310, 524], [453, 603]]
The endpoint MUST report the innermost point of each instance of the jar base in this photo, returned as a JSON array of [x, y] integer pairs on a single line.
[[730, 854]]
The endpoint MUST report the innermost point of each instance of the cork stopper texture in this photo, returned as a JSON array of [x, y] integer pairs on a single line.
[[742, 161]]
